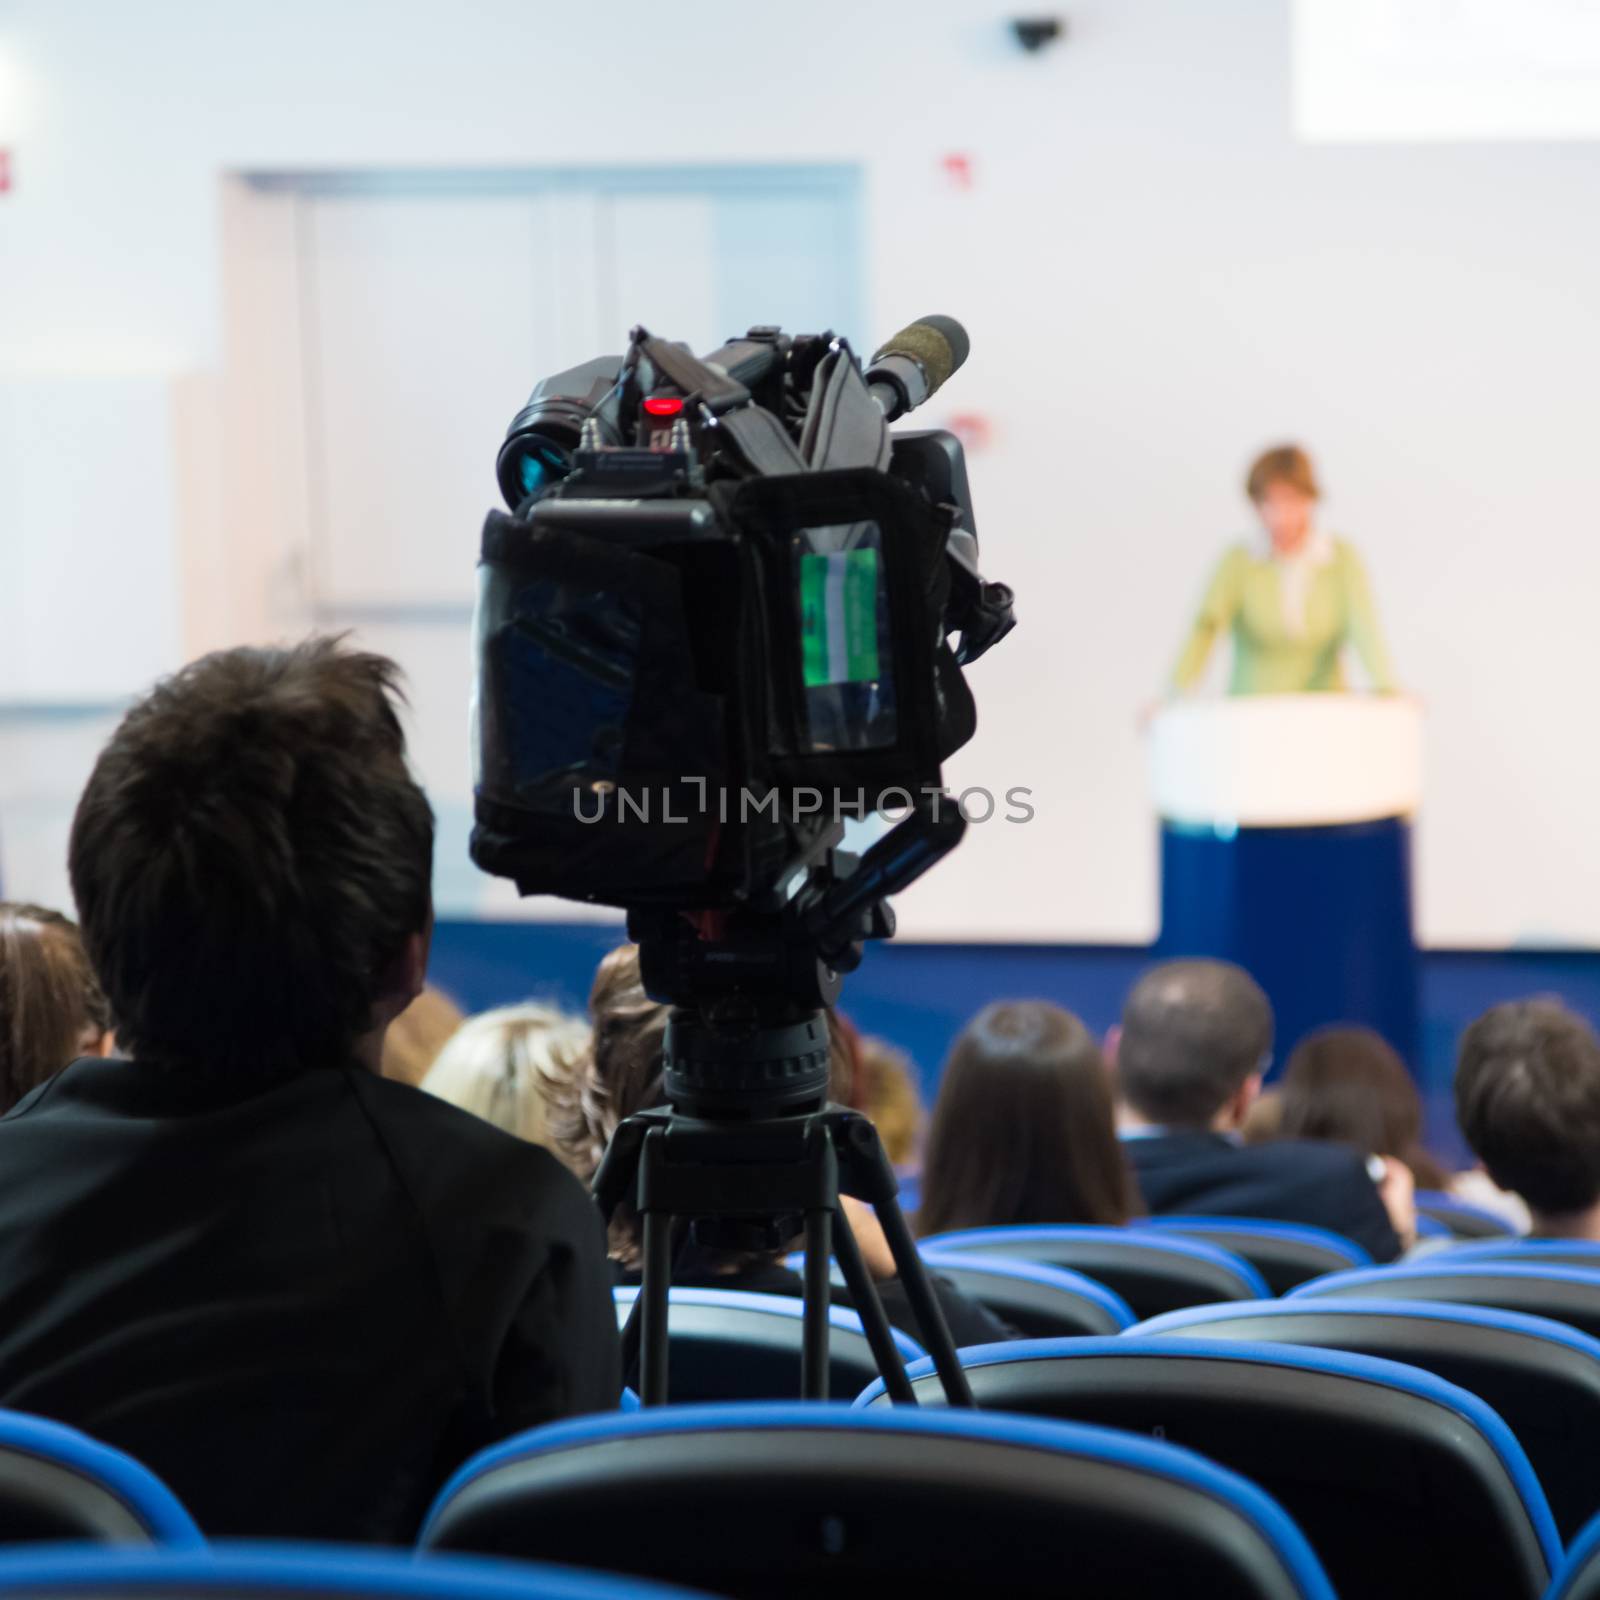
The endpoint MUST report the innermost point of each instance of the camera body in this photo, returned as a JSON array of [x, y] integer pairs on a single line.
[[727, 611]]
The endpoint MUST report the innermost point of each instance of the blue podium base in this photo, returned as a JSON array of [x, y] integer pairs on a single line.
[[1320, 917]]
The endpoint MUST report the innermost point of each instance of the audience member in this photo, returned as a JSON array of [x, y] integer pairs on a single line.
[[1528, 1101], [51, 1007], [1196, 1038], [1024, 1128], [1349, 1084], [300, 1293], [886, 1090], [510, 1065], [1264, 1118], [418, 1034], [624, 1075]]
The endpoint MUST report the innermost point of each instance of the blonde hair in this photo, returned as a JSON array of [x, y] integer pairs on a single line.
[[511, 1065], [888, 1089], [1284, 463], [418, 1034]]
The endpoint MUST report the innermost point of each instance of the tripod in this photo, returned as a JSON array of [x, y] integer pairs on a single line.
[[747, 1151]]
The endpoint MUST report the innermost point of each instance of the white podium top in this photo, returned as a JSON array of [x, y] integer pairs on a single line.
[[1286, 761]]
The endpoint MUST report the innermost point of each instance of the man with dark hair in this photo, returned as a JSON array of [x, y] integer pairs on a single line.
[[301, 1293], [1196, 1039], [1528, 1101]]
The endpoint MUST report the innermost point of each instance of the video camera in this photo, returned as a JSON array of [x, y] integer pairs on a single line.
[[727, 609]]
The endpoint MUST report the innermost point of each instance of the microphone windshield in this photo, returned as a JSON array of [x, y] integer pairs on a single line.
[[938, 344]]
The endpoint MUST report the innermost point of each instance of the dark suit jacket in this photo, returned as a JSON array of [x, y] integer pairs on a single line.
[[302, 1303], [1196, 1173]]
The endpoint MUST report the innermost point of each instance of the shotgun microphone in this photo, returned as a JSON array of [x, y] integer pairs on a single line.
[[912, 366]]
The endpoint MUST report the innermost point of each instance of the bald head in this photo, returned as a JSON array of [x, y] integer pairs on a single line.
[[1193, 1032]]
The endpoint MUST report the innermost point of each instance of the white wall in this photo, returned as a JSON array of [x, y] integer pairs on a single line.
[[1157, 277]]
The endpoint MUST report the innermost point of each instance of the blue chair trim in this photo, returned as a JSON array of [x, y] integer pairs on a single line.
[[773, 1305], [1519, 1249], [1545, 1328], [1062, 1278], [145, 1496], [1431, 1227], [1378, 1276], [1438, 1200], [1583, 1550], [307, 1569], [1304, 1358], [1195, 1249], [1261, 1228], [1160, 1459]]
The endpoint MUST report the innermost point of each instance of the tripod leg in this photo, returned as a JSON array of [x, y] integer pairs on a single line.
[[816, 1303], [631, 1328], [864, 1297], [925, 1304], [653, 1298]]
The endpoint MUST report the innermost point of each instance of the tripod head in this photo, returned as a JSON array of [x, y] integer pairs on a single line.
[[748, 1037]]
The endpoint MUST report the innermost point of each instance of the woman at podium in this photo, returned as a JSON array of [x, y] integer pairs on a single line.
[[1293, 602]]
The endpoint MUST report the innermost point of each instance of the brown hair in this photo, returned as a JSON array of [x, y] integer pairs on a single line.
[[250, 856], [50, 1005], [1023, 1128], [1349, 1084], [1284, 463], [1528, 1101], [415, 1038], [1192, 1033]]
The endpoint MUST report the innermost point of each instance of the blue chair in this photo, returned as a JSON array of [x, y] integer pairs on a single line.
[[58, 1483], [245, 1571], [1564, 1294], [1152, 1272], [1039, 1302], [1527, 1252], [1579, 1575], [726, 1344], [1542, 1377], [1463, 1220], [1404, 1485], [1284, 1253], [774, 1501]]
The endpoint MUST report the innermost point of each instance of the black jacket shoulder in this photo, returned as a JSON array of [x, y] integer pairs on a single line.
[[1309, 1181]]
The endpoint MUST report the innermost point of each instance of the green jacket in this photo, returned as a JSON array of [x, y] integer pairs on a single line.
[[1246, 595]]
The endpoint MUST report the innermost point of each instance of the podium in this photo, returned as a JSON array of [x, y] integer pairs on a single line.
[[1286, 847]]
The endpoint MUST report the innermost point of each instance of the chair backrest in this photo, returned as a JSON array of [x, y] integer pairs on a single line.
[[1284, 1253], [1039, 1302], [1465, 1221], [1542, 1377], [1564, 1294], [726, 1344], [243, 1571], [1404, 1484], [1579, 1575], [1153, 1272], [1527, 1252], [57, 1483], [795, 1500]]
